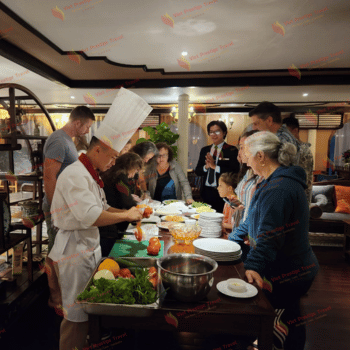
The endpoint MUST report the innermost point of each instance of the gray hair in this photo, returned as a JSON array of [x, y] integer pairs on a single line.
[[273, 148], [144, 148]]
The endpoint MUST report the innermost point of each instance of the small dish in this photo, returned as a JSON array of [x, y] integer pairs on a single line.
[[222, 287]]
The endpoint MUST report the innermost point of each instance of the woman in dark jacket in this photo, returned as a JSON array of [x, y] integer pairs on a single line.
[[118, 195], [280, 257]]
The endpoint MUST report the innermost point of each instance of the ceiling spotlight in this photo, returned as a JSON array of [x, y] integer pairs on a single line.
[[305, 95], [184, 53]]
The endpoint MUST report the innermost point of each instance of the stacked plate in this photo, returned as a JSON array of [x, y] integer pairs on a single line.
[[218, 249], [210, 224]]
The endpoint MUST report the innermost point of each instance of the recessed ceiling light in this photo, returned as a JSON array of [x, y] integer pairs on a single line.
[[184, 53], [192, 87], [305, 94], [72, 97]]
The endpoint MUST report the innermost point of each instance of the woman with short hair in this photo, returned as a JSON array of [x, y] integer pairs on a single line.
[[167, 180], [118, 195], [277, 228]]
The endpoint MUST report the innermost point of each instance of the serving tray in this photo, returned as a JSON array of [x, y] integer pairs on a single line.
[[124, 310]]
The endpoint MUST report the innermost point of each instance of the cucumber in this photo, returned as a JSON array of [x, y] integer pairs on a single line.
[[126, 263]]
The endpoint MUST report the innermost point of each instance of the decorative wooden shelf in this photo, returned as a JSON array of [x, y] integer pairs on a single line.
[[21, 177], [14, 239]]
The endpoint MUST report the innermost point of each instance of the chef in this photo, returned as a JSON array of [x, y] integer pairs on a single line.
[[78, 228]]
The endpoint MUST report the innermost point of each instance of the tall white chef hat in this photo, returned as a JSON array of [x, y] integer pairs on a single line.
[[124, 117]]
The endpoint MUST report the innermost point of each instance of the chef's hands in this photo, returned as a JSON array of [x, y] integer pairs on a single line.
[[253, 276], [134, 214], [189, 201], [209, 161]]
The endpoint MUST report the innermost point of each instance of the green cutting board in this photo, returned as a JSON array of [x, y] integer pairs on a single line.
[[133, 248]]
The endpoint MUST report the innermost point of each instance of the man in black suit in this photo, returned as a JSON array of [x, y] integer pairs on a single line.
[[215, 160]]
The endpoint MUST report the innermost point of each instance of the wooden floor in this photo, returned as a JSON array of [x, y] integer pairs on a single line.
[[329, 298]]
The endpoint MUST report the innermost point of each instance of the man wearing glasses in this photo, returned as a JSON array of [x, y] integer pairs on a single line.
[[215, 160]]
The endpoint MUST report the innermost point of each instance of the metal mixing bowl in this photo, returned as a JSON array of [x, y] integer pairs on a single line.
[[189, 276]]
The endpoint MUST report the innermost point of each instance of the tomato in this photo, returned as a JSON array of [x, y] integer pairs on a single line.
[[154, 241], [125, 273], [152, 250], [152, 272], [154, 281], [147, 213]]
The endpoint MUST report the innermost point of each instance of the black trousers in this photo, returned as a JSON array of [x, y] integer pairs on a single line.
[[211, 196], [285, 299]]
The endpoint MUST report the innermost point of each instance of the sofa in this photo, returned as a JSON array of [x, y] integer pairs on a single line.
[[330, 199]]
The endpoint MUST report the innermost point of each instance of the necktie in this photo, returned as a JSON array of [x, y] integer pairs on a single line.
[[211, 177]]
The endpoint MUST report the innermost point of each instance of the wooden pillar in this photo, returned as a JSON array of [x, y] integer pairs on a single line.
[[183, 132]]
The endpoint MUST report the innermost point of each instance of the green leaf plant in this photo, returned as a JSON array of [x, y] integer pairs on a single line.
[[161, 133]]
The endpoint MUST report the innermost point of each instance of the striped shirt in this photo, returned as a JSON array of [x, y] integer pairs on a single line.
[[246, 188]]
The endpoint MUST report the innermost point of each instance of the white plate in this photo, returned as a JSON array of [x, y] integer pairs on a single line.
[[163, 212], [154, 204], [212, 215], [170, 201], [195, 216], [251, 290], [165, 225], [217, 245], [151, 219]]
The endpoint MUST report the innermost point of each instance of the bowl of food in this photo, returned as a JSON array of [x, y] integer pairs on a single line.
[[185, 233], [173, 218], [189, 277]]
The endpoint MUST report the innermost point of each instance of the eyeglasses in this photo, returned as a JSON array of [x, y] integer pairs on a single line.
[[215, 133], [163, 156]]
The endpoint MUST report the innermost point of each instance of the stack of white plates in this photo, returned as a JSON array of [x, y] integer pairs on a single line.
[[210, 224], [218, 249]]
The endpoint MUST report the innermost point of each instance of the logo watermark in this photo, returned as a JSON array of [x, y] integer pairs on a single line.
[[5, 32], [212, 53], [192, 12], [75, 7], [304, 20]]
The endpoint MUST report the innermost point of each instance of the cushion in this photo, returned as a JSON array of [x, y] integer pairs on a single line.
[[342, 196], [342, 207], [328, 192]]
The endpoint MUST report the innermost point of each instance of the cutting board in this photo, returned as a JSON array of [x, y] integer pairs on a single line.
[[133, 248]]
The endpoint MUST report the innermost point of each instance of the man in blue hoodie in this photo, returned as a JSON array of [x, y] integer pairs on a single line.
[[280, 257]]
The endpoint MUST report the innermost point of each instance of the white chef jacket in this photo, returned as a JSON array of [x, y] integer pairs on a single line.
[[77, 203]]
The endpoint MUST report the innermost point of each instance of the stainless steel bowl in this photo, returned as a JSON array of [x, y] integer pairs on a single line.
[[189, 276]]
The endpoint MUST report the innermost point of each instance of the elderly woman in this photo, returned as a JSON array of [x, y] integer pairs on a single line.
[[118, 194], [277, 228], [147, 151], [168, 181]]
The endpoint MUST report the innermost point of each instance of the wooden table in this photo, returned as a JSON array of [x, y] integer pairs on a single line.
[[221, 314]]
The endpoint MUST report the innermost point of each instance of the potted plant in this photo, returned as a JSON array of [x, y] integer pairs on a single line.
[[346, 157], [161, 133]]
